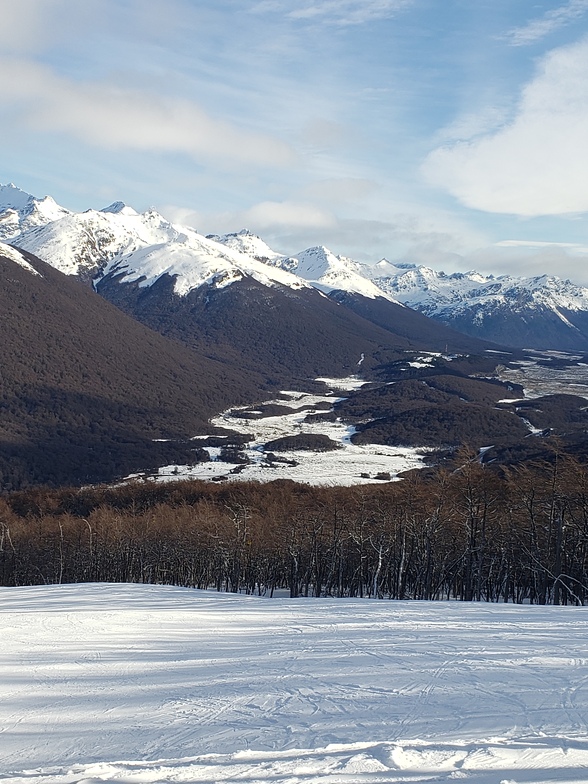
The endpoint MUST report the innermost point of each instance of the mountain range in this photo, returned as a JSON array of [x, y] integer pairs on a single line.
[[117, 243], [91, 392]]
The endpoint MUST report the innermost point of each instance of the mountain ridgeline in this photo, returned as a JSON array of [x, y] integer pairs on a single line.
[[132, 332]]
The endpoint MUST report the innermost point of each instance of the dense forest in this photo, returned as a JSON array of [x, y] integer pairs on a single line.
[[469, 533]]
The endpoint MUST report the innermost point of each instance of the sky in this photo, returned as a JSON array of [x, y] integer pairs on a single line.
[[452, 134]]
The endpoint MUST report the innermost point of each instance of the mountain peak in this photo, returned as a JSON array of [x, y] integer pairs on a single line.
[[13, 198], [119, 208]]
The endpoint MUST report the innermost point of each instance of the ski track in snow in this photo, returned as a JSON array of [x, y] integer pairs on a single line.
[[155, 684]]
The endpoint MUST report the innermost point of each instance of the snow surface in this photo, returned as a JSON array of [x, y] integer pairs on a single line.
[[154, 684], [195, 260], [538, 379], [7, 252], [349, 464]]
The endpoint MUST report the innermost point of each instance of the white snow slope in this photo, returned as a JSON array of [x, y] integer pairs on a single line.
[[146, 245], [142, 246], [438, 294], [8, 252], [151, 684], [318, 265]]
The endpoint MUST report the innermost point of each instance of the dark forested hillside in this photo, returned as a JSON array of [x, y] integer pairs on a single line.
[[288, 335], [427, 333], [84, 389]]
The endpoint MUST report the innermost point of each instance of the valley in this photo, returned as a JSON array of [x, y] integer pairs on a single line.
[[136, 347], [261, 440], [259, 456]]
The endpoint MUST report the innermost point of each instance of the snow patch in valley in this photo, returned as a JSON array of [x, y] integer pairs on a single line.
[[539, 379], [348, 464], [104, 683]]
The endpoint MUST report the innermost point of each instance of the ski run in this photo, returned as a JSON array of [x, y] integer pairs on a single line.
[[137, 684]]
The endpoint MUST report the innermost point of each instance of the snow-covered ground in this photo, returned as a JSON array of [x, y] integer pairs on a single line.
[[152, 684], [349, 464], [539, 380]]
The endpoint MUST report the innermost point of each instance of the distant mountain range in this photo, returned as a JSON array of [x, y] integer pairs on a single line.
[[117, 243], [541, 312], [89, 394]]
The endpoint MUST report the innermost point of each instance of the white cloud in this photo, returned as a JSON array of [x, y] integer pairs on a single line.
[[26, 24], [537, 164], [114, 117], [530, 259], [342, 190], [289, 226], [548, 23], [339, 12], [272, 214]]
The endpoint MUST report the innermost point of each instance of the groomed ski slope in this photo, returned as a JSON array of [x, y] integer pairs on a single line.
[[150, 684]]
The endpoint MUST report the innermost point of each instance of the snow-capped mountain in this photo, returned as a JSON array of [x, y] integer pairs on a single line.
[[329, 272], [19, 211], [140, 247], [318, 265], [542, 312], [194, 261], [438, 294], [118, 243], [246, 241], [249, 313]]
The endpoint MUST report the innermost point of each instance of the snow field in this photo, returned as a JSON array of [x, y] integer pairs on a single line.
[[350, 464], [141, 684]]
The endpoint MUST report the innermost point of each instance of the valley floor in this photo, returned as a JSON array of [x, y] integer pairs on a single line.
[[140, 684], [347, 465]]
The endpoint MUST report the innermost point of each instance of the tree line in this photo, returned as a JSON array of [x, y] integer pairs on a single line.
[[472, 533]]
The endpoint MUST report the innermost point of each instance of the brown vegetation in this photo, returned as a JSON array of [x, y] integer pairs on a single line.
[[472, 534]]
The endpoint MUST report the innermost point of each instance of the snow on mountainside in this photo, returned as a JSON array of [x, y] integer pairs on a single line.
[[329, 272], [83, 243], [318, 265], [7, 252], [540, 312], [19, 211], [436, 293], [245, 241], [195, 261], [140, 247]]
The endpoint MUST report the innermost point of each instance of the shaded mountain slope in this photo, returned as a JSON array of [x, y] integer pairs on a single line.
[[403, 321], [289, 336], [84, 389]]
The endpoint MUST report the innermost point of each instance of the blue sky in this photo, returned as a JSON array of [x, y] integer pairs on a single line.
[[450, 133]]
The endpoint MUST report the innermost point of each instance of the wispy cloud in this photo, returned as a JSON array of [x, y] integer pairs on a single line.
[[535, 165], [554, 19], [336, 12], [110, 116]]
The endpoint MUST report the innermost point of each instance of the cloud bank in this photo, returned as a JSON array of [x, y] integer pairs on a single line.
[[114, 117], [535, 165]]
